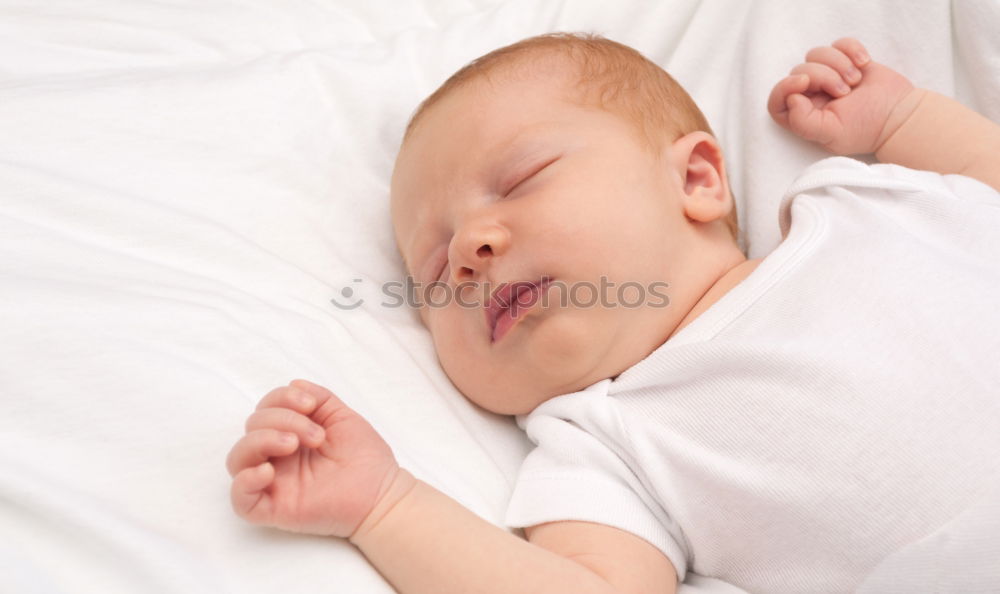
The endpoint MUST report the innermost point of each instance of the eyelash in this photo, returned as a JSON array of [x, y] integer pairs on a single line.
[[515, 186], [531, 174]]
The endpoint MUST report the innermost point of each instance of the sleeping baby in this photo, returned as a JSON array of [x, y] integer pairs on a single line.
[[793, 423]]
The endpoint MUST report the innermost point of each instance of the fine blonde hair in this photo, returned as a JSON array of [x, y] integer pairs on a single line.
[[611, 76]]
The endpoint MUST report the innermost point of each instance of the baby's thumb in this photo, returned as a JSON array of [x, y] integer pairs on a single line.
[[247, 493], [800, 109]]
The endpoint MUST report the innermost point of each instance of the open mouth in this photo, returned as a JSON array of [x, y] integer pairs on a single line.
[[510, 303]]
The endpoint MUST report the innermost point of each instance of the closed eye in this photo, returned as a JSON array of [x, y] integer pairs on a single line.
[[532, 173]]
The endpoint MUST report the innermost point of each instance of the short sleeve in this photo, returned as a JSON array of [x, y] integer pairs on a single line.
[[575, 473], [954, 210]]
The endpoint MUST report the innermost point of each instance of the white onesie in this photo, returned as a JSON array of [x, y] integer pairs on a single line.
[[837, 406]]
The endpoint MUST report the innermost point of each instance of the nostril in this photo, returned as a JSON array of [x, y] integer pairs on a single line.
[[484, 251]]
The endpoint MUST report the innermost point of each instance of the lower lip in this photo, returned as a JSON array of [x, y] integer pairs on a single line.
[[518, 309]]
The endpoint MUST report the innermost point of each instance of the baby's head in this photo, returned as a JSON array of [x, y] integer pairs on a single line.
[[568, 159]]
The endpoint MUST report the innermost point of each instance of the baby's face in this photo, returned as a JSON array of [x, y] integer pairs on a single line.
[[515, 183]]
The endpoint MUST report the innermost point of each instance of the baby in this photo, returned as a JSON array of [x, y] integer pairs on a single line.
[[785, 423]]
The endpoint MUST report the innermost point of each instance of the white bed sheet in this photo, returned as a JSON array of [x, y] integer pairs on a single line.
[[184, 187]]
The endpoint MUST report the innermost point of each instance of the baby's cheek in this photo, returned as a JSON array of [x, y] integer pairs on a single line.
[[567, 349], [558, 338], [447, 345], [462, 372]]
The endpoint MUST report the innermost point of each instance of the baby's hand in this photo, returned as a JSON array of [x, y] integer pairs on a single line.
[[308, 463], [840, 99]]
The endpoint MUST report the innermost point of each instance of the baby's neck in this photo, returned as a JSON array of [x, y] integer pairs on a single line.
[[727, 281]]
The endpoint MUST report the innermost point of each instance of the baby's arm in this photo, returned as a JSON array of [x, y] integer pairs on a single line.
[[850, 104], [423, 541], [930, 131], [308, 463]]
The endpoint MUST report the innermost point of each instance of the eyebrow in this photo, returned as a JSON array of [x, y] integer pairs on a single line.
[[523, 144]]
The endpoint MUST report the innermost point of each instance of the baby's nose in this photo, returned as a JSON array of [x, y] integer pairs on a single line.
[[466, 272], [474, 248]]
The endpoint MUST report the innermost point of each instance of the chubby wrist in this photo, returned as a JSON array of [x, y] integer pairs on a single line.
[[901, 112], [396, 488]]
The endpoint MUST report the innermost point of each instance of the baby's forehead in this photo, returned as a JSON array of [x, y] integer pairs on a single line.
[[475, 124], [495, 110]]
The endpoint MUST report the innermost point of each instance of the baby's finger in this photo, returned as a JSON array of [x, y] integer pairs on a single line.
[[257, 447], [325, 399], [823, 78], [777, 105], [836, 59], [807, 121], [247, 495], [315, 389], [854, 49], [283, 419], [289, 397]]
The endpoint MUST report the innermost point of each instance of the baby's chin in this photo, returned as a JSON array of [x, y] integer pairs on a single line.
[[560, 357]]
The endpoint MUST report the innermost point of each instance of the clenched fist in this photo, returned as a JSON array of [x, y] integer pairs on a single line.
[[841, 99], [308, 463]]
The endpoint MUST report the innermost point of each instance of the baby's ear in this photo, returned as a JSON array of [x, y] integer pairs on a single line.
[[698, 160]]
